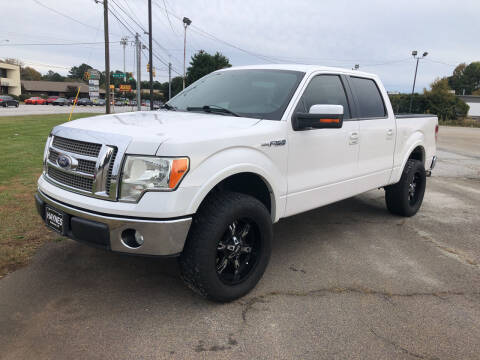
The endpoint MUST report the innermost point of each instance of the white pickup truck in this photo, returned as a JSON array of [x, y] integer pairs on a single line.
[[205, 177]]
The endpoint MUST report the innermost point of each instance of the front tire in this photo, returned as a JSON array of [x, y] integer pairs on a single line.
[[228, 246], [405, 197]]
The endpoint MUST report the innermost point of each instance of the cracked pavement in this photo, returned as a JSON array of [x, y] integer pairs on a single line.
[[345, 281]]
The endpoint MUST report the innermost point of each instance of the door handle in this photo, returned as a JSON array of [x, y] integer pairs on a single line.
[[353, 138], [389, 132]]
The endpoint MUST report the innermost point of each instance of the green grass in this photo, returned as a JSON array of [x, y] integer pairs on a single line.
[[22, 141]]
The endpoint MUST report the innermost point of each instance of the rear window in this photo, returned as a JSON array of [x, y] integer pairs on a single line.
[[370, 102]]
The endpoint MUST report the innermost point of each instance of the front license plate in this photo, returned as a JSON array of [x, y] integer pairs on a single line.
[[54, 219]]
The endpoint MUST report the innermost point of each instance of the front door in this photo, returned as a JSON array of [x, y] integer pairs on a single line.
[[322, 162]]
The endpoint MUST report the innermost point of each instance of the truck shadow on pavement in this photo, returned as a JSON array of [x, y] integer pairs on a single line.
[[77, 266]]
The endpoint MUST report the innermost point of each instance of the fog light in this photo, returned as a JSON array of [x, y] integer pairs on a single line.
[[132, 238]]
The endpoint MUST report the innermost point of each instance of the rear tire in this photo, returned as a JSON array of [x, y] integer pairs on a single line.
[[228, 246], [405, 197]]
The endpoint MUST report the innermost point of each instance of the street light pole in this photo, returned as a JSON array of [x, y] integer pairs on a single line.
[[186, 22], [124, 43], [414, 54], [150, 51], [138, 47], [169, 81], [107, 56]]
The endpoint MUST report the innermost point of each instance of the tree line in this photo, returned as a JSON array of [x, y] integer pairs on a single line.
[[201, 64], [441, 99]]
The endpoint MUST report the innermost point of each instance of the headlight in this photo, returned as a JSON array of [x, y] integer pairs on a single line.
[[149, 173]]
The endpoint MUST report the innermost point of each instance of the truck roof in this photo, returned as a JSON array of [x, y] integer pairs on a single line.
[[301, 67]]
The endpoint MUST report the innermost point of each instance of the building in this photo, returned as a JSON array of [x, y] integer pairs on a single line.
[[10, 79], [54, 88], [474, 102]]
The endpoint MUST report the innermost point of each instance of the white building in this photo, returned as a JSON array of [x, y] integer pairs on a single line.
[[474, 102]]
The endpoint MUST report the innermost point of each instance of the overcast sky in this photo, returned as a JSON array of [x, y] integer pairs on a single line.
[[377, 35]]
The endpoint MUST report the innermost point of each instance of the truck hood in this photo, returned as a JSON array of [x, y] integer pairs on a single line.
[[147, 130]]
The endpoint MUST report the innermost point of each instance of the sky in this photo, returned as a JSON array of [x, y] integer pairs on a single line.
[[377, 35]]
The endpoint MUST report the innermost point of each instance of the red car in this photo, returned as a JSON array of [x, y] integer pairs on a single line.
[[36, 101], [51, 99]]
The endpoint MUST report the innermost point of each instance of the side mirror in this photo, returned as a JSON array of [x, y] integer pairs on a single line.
[[319, 117]]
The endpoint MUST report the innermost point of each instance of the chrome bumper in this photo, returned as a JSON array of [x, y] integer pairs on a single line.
[[160, 237]]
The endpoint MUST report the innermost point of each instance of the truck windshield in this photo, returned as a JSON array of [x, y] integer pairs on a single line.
[[256, 93]]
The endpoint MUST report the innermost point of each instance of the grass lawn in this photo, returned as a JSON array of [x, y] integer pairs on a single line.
[[22, 141]]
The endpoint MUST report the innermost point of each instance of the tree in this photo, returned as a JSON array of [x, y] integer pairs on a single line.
[[465, 78], [202, 63], [28, 73], [13, 61], [442, 102], [52, 76], [78, 72], [71, 91], [177, 85]]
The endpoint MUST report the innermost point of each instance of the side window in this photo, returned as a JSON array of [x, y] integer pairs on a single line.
[[370, 102], [324, 89]]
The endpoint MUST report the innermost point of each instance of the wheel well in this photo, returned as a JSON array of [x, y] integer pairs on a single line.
[[418, 154], [249, 184]]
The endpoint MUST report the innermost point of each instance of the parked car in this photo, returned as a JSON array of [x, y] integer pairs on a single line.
[[71, 100], [206, 177], [51, 99], [84, 101], [100, 102], [6, 101], [35, 101], [61, 102]]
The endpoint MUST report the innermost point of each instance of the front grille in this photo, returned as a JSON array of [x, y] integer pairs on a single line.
[[75, 181], [76, 146], [85, 166], [53, 156], [110, 171]]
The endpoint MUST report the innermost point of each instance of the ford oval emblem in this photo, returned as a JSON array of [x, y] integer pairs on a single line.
[[64, 161]]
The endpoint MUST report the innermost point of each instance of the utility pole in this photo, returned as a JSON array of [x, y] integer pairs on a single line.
[[169, 81], [107, 56], [124, 43], [138, 48], [414, 54], [150, 51], [186, 22]]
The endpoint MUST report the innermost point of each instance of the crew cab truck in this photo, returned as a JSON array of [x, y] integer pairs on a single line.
[[205, 177]]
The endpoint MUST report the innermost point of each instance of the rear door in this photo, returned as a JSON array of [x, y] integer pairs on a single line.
[[322, 161], [377, 132]]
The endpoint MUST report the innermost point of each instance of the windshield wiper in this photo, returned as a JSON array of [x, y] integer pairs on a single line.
[[212, 108], [169, 107]]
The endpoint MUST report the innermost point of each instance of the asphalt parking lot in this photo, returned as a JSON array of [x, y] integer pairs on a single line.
[[51, 109], [345, 281]]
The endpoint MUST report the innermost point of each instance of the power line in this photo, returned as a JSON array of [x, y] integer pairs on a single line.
[[141, 27], [168, 17], [66, 16], [123, 22], [131, 11], [128, 15], [55, 44]]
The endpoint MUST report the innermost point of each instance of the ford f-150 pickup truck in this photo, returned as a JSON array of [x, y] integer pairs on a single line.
[[206, 177]]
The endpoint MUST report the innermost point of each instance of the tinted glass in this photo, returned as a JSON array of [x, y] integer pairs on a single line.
[[256, 93], [324, 90], [370, 103]]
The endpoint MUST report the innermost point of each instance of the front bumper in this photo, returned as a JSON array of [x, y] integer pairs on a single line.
[[161, 237]]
